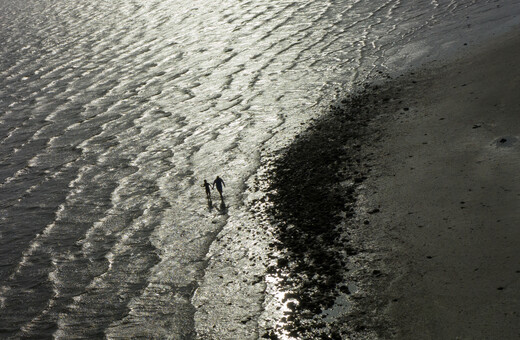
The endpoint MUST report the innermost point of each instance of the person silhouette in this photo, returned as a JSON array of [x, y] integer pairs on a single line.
[[208, 191], [219, 182]]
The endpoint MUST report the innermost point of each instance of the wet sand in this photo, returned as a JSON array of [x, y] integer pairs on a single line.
[[446, 184]]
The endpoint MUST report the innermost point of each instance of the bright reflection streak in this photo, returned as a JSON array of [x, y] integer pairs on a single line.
[[280, 305]]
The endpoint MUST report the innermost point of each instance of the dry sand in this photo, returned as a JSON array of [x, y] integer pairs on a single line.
[[447, 185]]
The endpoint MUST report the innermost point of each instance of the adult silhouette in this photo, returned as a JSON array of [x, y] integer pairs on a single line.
[[219, 183]]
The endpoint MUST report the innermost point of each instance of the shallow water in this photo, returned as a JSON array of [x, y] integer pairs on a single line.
[[113, 113]]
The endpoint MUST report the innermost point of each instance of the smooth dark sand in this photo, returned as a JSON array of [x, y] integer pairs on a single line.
[[447, 184], [402, 203]]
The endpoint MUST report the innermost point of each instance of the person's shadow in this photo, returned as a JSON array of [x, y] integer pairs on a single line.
[[210, 204], [222, 209]]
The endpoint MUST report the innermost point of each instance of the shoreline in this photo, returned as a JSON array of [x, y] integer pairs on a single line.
[[311, 192], [361, 202]]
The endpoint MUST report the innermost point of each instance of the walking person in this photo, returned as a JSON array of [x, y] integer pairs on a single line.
[[208, 191], [219, 182]]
